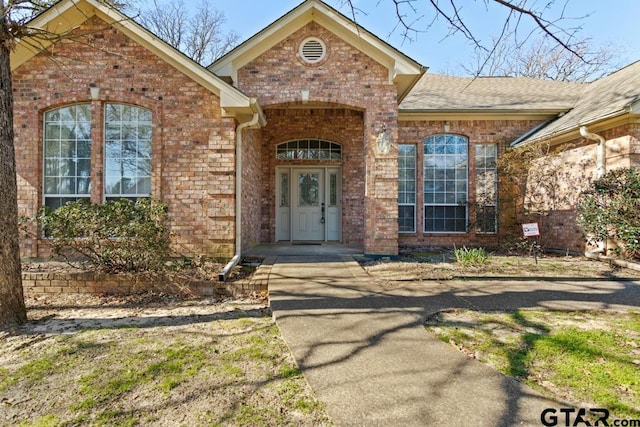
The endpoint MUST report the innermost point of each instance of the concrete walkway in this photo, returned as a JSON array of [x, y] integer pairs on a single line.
[[363, 348]]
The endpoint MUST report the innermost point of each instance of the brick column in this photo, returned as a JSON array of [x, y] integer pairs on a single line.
[[381, 198]]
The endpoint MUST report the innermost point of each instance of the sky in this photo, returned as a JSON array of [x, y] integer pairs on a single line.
[[605, 22]]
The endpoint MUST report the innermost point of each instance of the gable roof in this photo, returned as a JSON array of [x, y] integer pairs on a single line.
[[67, 15], [403, 71], [610, 97], [441, 94]]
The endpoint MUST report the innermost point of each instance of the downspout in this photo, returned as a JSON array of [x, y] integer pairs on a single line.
[[601, 169], [222, 276], [601, 157]]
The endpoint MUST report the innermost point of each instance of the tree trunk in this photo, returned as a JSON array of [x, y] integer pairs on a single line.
[[12, 308]]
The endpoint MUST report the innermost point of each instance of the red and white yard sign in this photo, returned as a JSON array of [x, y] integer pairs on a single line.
[[531, 229]]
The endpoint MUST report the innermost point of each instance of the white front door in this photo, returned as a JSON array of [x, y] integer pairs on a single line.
[[308, 204]]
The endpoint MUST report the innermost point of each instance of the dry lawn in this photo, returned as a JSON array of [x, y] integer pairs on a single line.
[[151, 360], [420, 265]]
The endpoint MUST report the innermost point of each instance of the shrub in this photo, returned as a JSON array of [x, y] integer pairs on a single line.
[[116, 236], [609, 210], [471, 257]]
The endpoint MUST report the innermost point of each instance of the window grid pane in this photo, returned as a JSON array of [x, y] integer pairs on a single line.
[[406, 188], [445, 183], [284, 190], [486, 188], [67, 155], [309, 149], [333, 190], [127, 151]]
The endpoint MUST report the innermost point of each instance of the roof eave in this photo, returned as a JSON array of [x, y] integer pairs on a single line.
[[67, 15], [244, 113], [479, 113], [599, 124]]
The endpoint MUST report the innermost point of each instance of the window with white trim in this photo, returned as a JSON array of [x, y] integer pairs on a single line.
[[309, 149], [127, 152], [486, 188], [67, 155], [406, 188], [445, 183]]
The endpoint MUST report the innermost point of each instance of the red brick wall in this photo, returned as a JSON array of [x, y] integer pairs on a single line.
[[555, 183], [341, 126], [276, 79], [501, 132], [193, 147], [253, 195]]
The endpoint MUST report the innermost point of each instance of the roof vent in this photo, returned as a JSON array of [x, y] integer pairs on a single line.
[[313, 50]]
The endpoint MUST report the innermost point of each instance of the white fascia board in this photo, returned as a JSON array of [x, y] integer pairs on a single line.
[[480, 114], [258, 44], [359, 38], [60, 18], [230, 97], [69, 14]]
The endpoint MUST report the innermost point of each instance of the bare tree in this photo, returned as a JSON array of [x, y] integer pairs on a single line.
[[12, 308], [544, 60], [167, 21], [524, 19], [14, 26], [198, 35]]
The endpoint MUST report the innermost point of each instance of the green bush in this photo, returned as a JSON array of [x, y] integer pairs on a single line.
[[116, 236], [471, 257], [610, 209]]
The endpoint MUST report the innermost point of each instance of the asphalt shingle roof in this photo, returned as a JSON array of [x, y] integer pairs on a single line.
[[582, 103], [607, 97], [435, 92]]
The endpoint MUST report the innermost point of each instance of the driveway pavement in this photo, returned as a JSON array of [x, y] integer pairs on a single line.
[[363, 348]]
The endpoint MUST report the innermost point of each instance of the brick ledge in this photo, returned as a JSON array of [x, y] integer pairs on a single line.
[[87, 282]]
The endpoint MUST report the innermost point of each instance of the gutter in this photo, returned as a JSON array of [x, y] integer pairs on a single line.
[[601, 169], [257, 115]]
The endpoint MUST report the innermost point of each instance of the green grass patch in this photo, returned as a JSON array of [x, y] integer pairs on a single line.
[[6, 379], [46, 421], [229, 371], [288, 371], [291, 393], [33, 371], [236, 368], [583, 357]]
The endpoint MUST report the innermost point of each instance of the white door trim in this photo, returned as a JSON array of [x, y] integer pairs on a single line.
[[286, 215]]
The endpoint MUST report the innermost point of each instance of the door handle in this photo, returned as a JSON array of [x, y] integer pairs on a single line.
[[322, 219]]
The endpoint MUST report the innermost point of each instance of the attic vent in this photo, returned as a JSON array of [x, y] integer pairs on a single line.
[[313, 50]]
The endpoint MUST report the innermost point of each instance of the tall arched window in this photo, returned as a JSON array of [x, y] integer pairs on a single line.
[[67, 155], [127, 151], [445, 183]]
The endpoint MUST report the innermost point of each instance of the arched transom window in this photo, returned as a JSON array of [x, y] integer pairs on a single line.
[[309, 149]]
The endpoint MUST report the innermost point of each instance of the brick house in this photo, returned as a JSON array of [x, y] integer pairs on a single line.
[[312, 130]]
